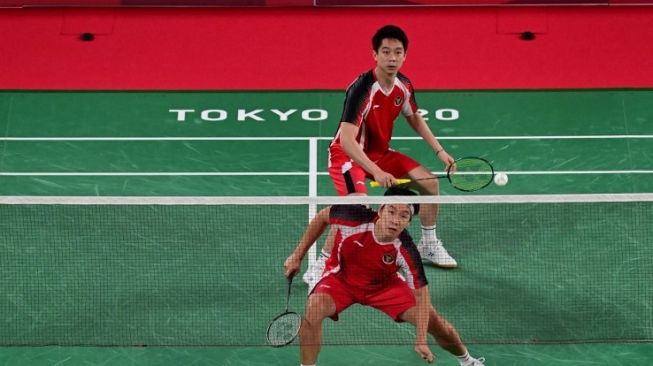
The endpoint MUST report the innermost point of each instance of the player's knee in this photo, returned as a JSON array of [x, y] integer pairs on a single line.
[[429, 186], [408, 316], [318, 307]]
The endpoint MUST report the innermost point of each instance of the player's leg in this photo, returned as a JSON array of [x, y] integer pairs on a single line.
[[330, 297], [445, 335], [430, 246], [397, 299], [318, 307]]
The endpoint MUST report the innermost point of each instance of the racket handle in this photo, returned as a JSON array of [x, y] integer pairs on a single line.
[[288, 293], [399, 181]]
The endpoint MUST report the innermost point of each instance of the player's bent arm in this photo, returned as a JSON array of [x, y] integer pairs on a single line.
[[315, 229], [417, 123], [348, 133]]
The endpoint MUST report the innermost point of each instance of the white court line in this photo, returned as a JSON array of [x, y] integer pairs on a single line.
[[282, 138], [324, 200], [246, 174], [560, 172], [312, 192], [153, 173]]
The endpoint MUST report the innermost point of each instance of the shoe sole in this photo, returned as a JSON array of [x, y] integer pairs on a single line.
[[445, 266]]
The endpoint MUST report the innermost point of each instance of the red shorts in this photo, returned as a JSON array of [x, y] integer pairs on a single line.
[[348, 177], [393, 299]]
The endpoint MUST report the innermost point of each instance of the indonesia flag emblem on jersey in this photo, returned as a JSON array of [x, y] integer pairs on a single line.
[[398, 100], [388, 259]]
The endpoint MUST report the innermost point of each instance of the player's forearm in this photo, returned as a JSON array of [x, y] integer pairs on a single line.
[[315, 229], [418, 124], [356, 153], [423, 304]]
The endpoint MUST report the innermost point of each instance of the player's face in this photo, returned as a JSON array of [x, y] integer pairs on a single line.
[[393, 219], [390, 56]]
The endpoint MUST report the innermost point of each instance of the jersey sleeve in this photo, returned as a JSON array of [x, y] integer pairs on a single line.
[[411, 263], [350, 215], [357, 100]]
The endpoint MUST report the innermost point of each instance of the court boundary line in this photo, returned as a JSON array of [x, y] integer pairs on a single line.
[[312, 191], [310, 174], [322, 200], [308, 138]]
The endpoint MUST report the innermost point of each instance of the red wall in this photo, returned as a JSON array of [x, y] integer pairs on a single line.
[[323, 48], [19, 3]]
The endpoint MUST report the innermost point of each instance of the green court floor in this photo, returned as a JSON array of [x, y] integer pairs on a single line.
[[259, 143], [274, 144], [504, 355]]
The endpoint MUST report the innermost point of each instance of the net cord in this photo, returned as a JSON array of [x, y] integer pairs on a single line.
[[324, 200]]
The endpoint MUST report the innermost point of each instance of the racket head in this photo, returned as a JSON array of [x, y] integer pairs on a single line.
[[471, 174], [284, 329]]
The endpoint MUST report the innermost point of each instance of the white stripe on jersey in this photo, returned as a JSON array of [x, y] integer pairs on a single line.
[[363, 132], [403, 267]]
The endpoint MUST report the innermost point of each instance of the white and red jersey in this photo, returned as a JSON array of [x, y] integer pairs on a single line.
[[375, 111], [362, 261]]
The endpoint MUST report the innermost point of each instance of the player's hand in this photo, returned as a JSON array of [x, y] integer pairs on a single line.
[[424, 352], [385, 179], [291, 266], [448, 161]]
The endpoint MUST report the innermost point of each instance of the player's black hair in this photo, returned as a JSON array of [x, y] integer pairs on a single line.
[[400, 191], [390, 32]]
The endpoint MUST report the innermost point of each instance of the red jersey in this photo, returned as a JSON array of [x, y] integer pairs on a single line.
[[362, 261], [374, 112]]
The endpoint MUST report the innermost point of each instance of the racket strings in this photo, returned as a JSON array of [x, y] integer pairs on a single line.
[[284, 329], [471, 174]]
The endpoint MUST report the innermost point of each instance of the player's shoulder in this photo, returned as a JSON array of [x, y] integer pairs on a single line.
[[403, 79], [362, 83], [351, 213], [406, 240]]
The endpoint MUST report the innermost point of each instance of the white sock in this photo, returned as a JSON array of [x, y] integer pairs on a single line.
[[464, 358], [307, 365], [428, 233]]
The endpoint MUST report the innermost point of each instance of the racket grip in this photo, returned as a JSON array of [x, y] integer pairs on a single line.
[[398, 181]]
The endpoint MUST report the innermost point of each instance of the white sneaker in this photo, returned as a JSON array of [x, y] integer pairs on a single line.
[[435, 252], [313, 274], [474, 362]]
